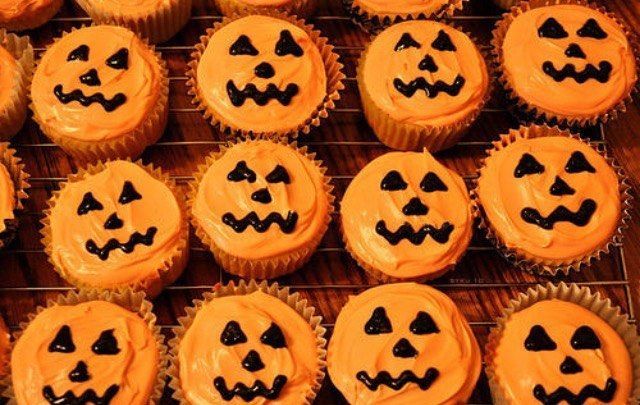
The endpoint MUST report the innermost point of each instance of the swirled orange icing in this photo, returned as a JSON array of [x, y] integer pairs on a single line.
[[203, 357], [401, 7], [157, 208], [525, 53], [217, 67], [139, 82], [133, 368], [519, 370], [382, 66], [503, 197], [13, 9], [365, 204], [305, 196], [142, 7], [7, 197], [9, 77], [453, 350]]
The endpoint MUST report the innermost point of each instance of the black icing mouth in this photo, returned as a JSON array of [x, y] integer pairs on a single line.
[[561, 214], [600, 73], [272, 92], [258, 389], [78, 95], [431, 90], [87, 397], [406, 377], [588, 391], [287, 225], [112, 244], [406, 231]]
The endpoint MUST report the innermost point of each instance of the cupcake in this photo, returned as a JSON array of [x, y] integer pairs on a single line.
[[13, 186], [117, 224], [155, 20], [16, 68], [422, 84], [569, 63], [264, 75], [19, 15], [551, 201], [89, 347], [412, 346], [261, 206], [100, 92], [563, 344], [301, 8], [406, 217], [248, 343]]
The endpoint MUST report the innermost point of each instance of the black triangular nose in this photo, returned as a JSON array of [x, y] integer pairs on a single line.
[[252, 361], [560, 187], [570, 366], [90, 78], [404, 349], [79, 373], [415, 207], [113, 222], [262, 196], [574, 51], [264, 70]]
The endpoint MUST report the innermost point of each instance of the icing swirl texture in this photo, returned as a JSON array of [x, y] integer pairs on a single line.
[[400, 7]]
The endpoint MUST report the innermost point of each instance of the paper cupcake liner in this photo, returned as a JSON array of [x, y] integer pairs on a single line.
[[14, 112], [333, 70], [300, 8], [155, 24], [20, 178], [168, 272], [520, 107], [127, 145], [35, 18], [277, 266], [135, 302], [293, 300], [408, 136], [523, 260], [582, 296]]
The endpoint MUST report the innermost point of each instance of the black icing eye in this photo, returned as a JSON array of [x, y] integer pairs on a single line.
[[431, 183], [80, 53], [242, 46], [89, 203], [538, 340], [242, 172], [232, 334], [584, 338], [274, 337], [286, 45], [406, 41], [423, 324], [443, 42], [427, 63], [578, 163], [62, 343], [119, 60], [527, 165], [551, 28], [591, 29], [278, 175], [393, 181], [379, 323], [106, 344], [128, 194]]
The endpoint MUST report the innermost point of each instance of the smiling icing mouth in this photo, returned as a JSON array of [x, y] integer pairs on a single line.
[[78, 95], [431, 90], [238, 97], [600, 73], [589, 391], [258, 389], [407, 376], [89, 396], [135, 239]]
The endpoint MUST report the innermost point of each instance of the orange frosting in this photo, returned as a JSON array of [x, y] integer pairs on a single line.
[[7, 197], [139, 82], [400, 7], [11, 10], [217, 67], [383, 65], [70, 232], [203, 357], [9, 77], [365, 204], [142, 7], [519, 370], [503, 197], [525, 52], [304, 195], [269, 3], [133, 369], [452, 350]]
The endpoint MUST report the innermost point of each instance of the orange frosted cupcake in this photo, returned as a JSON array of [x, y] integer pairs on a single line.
[[19, 15], [117, 224], [261, 206], [300, 8], [100, 92], [13, 186], [406, 217], [264, 74], [413, 347], [568, 63], [422, 84], [16, 67]]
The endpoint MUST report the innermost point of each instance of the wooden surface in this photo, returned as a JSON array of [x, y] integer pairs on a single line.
[[481, 284]]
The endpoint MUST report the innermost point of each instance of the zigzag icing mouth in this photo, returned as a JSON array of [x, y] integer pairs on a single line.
[[406, 231], [406, 377], [287, 225], [258, 389], [589, 391], [87, 397], [600, 73], [261, 98], [112, 244], [561, 214], [432, 90], [78, 95]]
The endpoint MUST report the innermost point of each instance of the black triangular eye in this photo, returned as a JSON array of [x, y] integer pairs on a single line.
[[584, 338], [443, 42], [232, 334], [538, 340], [591, 29], [427, 63], [286, 45], [128, 194], [423, 324], [242, 46], [119, 60], [278, 175], [242, 172], [393, 181], [578, 163], [89, 203], [551, 28], [63, 342], [106, 344], [80, 53], [274, 337], [527, 165], [406, 41], [431, 182], [379, 323]]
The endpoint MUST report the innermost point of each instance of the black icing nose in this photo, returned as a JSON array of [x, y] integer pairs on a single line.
[[570, 366], [265, 70], [90, 78], [415, 207], [79, 373], [404, 349], [560, 187], [262, 196], [252, 361], [113, 222], [574, 51]]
